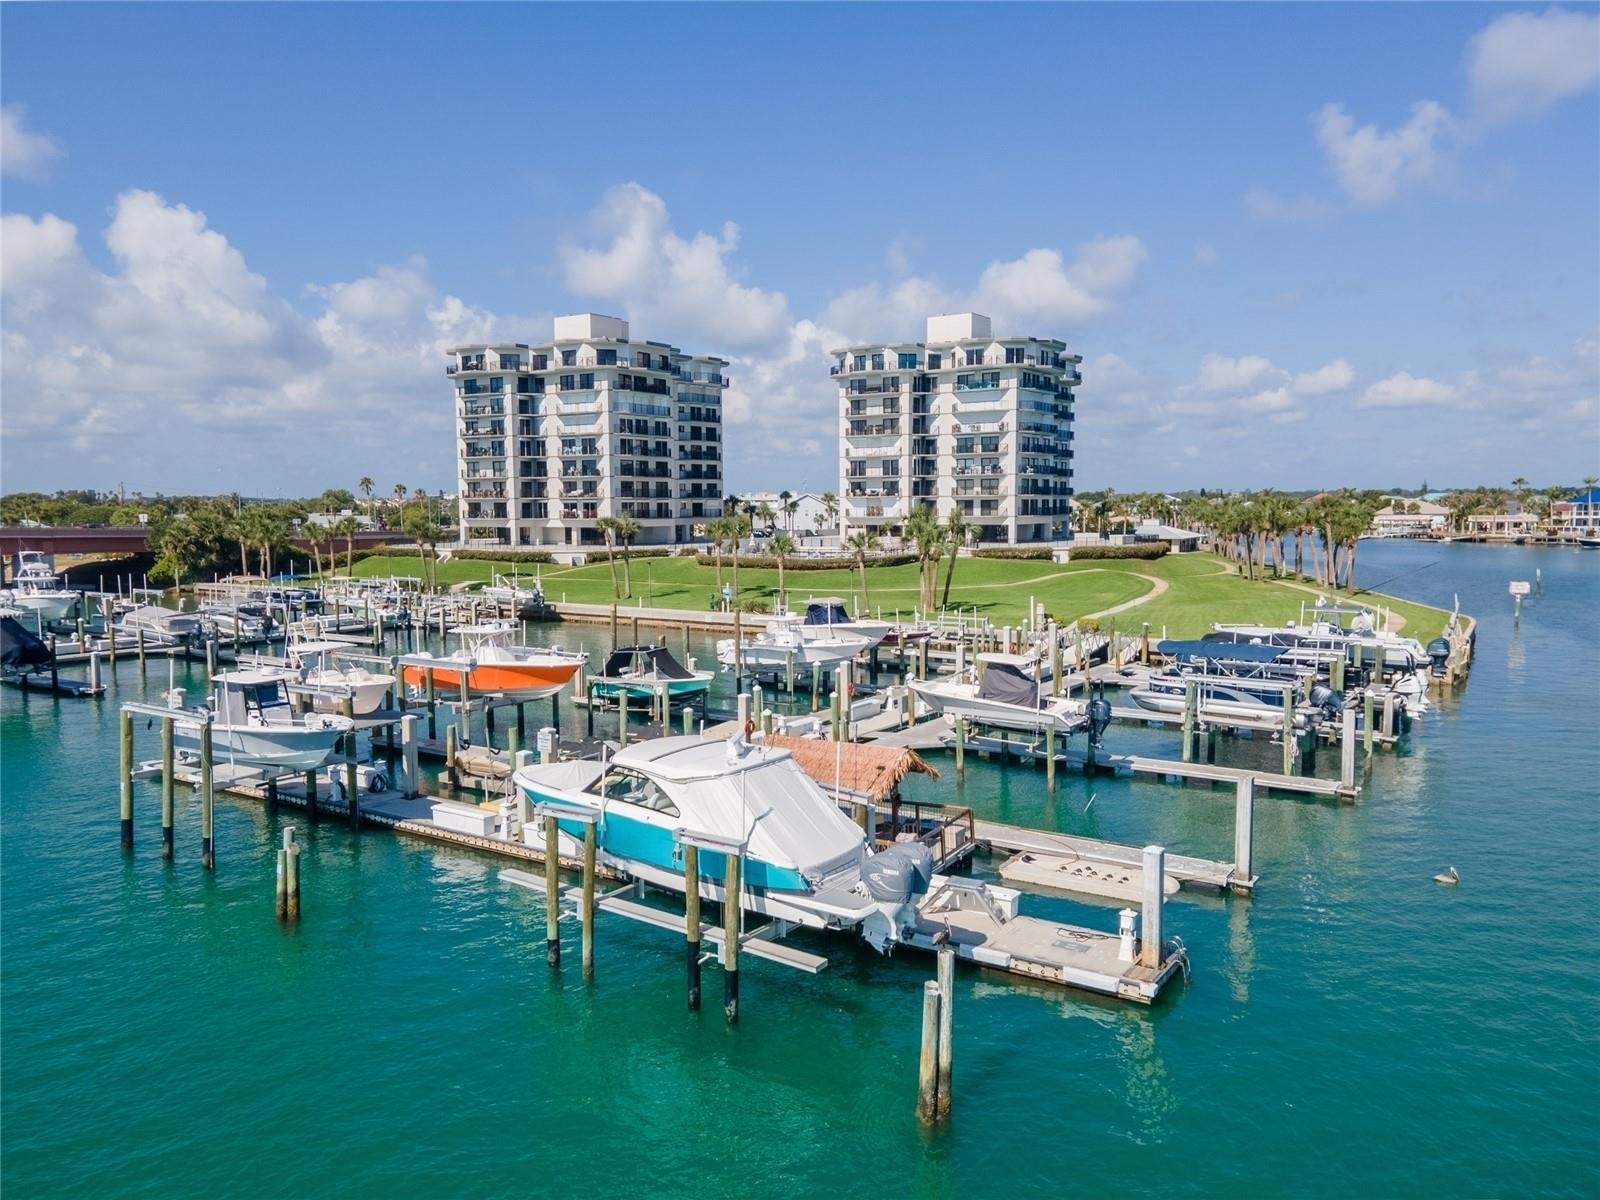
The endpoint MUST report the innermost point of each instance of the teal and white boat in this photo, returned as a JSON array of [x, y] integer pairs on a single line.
[[643, 671], [801, 859]]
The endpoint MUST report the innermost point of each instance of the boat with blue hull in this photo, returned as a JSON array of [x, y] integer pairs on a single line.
[[801, 859]]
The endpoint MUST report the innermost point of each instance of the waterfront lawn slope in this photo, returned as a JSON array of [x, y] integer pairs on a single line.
[[1199, 589]]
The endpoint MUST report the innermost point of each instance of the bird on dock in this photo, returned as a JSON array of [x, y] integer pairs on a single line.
[[1449, 878]]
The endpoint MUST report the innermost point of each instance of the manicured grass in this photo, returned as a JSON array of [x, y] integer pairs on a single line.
[[1202, 589]]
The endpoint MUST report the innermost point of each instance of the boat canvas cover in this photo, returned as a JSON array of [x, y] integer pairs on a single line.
[[642, 659], [19, 649], [782, 815], [1219, 651], [1005, 683], [827, 611]]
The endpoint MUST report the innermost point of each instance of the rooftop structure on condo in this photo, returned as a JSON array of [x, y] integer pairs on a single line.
[[963, 421], [551, 438]]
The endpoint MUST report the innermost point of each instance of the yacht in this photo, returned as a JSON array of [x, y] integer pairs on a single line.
[[37, 592], [802, 860], [827, 615], [326, 667], [785, 641]]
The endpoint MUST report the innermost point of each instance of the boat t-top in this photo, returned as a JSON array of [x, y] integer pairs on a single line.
[[327, 667], [252, 723], [826, 615], [37, 592]]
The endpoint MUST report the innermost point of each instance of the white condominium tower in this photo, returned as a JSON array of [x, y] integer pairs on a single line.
[[550, 438], [962, 421]]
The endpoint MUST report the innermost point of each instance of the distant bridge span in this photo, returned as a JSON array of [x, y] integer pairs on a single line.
[[106, 539]]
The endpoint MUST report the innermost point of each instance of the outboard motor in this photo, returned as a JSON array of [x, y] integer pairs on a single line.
[[1438, 656], [1099, 717], [1327, 701], [894, 878]]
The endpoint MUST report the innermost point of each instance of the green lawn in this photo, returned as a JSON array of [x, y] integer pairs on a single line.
[[1201, 589]]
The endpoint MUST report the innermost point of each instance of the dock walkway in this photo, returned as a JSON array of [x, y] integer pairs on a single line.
[[1189, 872]]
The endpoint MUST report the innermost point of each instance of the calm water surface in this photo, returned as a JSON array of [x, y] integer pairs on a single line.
[[1353, 1030]]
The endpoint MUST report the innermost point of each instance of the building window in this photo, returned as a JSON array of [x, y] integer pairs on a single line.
[[859, 363], [606, 358], [569, 382], [586, 381], [935, 361], [569, 358], [908, 362]]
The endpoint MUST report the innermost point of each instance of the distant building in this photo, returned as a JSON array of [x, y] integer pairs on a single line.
[[1407, 518], [963, 421], [1577, 516], [325, 520], [1503, 525], [810, 514], [552, 437]]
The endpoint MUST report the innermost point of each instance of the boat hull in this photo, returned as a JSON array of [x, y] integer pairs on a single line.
[[288, 748], [44, 606], [645, 689], [529, 681], [1066, 720]]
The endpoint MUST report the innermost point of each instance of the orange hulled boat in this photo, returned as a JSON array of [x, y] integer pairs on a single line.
[[495, 665]]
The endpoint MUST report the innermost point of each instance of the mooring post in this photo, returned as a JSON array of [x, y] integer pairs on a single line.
[[947, 1014], [1388, 714], [1288, 731], [835, 712], [311, 796], [1144, 645], [450, 757], [1191, 691], [1244, 804], [208, 857], [488, 724], [166, 790], [816, 687], [211, 656], [1336, 672], [522, 724], [466, 706], [552, 891], [1367, 718], [688, 720], [433, 702], [1211, 743], [730, 940], [1155, 871], [961, 748], [613, 627], [1347, 748], [140, 642], [408, 754], [294, 874], [1055, 660], [788, 672], [555, 710], [622, 716], [928, 1058], [351, 791], [281, 881], [589, 835], [126, 777], [1050, 756], [691, 899]]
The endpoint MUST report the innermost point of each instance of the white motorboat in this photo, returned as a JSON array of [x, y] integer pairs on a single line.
[[326, 667], [801, 859], [1242, 680], [507, 591], [493, 664], [253, 724], [785, 642], [161, 626], [1001, 691], [37, 592]]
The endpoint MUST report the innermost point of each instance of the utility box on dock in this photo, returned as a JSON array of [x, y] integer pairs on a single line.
[[464, 818]]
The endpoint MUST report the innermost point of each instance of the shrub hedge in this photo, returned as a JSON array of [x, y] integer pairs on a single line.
[[1018, 552], [830, 563], [1138, 550]]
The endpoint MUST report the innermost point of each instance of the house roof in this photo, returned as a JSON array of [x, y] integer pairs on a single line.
[[1592, 496], [872, 771]]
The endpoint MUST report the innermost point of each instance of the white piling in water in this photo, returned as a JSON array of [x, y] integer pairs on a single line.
[[1244, 806], [1347, 748], [408, 749], [1155, 870]]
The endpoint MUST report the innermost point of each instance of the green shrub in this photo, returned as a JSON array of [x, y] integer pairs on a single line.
[[1018, 552], [1145, 550]]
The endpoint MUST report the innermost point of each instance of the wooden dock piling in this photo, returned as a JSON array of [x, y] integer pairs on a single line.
[[928, 1059], [166, 790], [126, 777], [408, 753], [1155, 863], [691, 895], [730, 940], [352, 792], [588, 899], [947, 986], [1244, 805], [208, 857], [1347, 747], [552, 892]]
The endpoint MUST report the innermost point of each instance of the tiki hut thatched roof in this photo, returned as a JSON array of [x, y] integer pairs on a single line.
[[870, 771]]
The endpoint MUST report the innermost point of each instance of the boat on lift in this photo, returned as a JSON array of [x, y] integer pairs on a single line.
[[38, 593], [801, 859], [525, 600], [643, 671], [1001, 690], [827, 615], [785, 641], [1232, 680], [493, 664], [161, 626], [253, 724], [327, 667]]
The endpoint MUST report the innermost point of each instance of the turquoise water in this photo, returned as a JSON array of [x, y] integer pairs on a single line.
[[1355, 1030]]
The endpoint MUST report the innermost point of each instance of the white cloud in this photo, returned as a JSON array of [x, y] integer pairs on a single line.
[[1205, 254], [1404, 390], [901, 253], [1334, 377], [23, 153], [1523, 62], [1263, 205], [681, 287], [1372, 166], [1218, 373]]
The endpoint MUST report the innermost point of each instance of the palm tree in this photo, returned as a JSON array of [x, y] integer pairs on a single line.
[[765, 515], [364, 485], [717, 532], [787, 506], [418, 527], [780, 546], [626, 529], [861, 543], [607, 526], [830, 505], [924, 531], [346, 528], [956, 531], [738, 529]]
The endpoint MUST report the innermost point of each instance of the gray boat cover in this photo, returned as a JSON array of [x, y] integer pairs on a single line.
[[1005, 683], [19, 649]]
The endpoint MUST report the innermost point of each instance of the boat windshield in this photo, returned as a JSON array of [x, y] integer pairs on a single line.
[[630, 787], [264, 695]]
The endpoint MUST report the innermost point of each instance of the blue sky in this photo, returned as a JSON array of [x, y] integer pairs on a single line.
[[1297, 245]]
